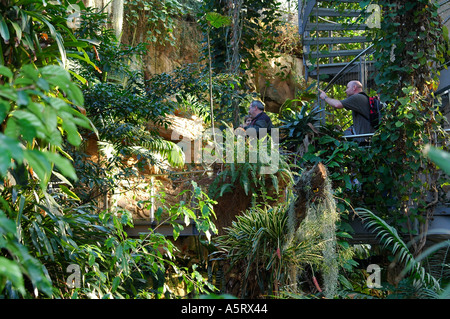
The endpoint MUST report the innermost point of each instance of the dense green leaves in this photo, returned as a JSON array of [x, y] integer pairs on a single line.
[[297, 123], [407, 55], [21, 265], [258, 21], [156, 18], [45, 230], [34, 31], [409, 50], [43, 113], [39, 109], [246, 168]]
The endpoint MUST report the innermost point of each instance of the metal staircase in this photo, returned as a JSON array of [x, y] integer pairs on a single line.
[[328, 46], [332, 56]]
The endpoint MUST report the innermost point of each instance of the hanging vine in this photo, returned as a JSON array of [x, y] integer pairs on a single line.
[[234, 58]]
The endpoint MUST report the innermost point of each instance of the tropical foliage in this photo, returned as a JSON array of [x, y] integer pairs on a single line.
[[44, 230], [66, 86], [257, 246]]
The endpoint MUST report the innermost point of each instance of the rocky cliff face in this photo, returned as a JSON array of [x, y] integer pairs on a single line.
[[165, 58], [277, 80]]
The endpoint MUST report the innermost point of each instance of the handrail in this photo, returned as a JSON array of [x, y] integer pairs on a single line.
[[358, 135], [336, 77], [371, 134]]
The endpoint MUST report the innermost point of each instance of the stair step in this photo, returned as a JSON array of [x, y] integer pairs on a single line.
[[333, 68], [308, 9], [329, 12], [334, 40], [319, 34], [333, 27], [331, 54]]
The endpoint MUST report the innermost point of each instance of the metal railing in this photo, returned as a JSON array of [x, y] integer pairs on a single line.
[[369, 50], [447, 130]]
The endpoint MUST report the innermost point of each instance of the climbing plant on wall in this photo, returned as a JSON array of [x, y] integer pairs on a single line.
[[152, 20], [410, 46], [246, 43]]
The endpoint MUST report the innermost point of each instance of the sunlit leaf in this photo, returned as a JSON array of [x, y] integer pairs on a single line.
[[217, 20], [68, 192], [17, 29], [5, 71], [40, 164], [63, 164]]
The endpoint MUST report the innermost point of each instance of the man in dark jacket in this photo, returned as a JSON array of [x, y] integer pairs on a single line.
[[259, 118]]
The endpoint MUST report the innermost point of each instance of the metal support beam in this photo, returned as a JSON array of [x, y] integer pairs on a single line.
[[303, 14]]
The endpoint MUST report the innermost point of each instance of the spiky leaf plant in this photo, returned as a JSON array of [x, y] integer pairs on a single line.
[[297, 122], [257, 243]]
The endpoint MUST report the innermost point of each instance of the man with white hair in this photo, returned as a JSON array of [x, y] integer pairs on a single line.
[[259, 118], [358, 103]]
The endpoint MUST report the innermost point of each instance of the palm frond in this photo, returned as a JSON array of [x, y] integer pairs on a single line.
[[167, 149], [446, 293]]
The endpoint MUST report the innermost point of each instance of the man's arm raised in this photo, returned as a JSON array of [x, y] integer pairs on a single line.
[[333, 102]]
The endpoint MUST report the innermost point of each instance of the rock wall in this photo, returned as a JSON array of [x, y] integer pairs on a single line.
[[165, 58], [279, 79]]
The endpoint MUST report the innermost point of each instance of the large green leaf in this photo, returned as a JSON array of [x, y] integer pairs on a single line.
[[63, 164], [217, 20], [73, 136], [5, 71], [17, 29], [68, 192], [40, 164], [4, 32], [439, 157], [4, 109], [10, 270], [390, 237], [56, 75], [9, 149]]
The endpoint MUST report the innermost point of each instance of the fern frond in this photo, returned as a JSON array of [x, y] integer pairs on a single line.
[[137, 140], [389, 237]]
